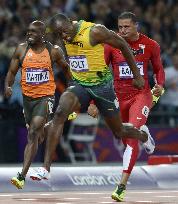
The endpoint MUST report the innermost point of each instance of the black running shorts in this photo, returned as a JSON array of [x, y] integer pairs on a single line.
[[42, 106], [103, 96]]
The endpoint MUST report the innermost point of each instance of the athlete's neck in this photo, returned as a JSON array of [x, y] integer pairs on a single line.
[[38, 47], [134, 37]]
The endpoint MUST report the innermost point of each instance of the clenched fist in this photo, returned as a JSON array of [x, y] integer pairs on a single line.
[[8, 91], [93, 111]]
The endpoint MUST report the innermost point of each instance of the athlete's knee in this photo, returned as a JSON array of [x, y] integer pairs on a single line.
[[60, 115], [67, 104], [33, 134], [68, 100], [118, 134], [125, 130]]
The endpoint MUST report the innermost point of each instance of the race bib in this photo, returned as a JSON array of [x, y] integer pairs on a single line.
[[125, 71], [37, 76], [145, 111], [78, 63]]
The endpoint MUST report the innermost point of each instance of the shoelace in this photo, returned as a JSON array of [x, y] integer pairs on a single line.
[[41, 171], [20, 177], [121, 187]]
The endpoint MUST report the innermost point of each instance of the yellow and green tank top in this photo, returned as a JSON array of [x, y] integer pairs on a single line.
[[87, 62]]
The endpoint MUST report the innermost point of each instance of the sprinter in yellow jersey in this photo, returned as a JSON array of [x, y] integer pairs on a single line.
[[92, 81]]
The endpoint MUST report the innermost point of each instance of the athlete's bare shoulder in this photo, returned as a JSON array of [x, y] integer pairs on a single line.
[[56, 52], [149, 40], [56, 48], [98, 28], [98, 34], [22, 47], [23, 44]]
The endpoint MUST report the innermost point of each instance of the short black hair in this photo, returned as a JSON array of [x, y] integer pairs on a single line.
[[40, 24], [58, 17], [128, 15]]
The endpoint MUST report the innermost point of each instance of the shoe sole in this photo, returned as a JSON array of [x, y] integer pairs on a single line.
[[15, 183], [151, 139], [153, 143], [116, 198]]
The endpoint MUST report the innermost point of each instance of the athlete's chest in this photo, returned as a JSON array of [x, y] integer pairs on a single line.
[[141, 51], [80, 43], [31, 58], [142, 54]]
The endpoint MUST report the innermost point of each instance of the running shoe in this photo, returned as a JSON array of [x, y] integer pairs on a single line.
[[119, 193], [18, 181], [40, 174], [149, 145]]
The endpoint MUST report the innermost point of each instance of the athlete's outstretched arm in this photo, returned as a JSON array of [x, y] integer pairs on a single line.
[[13, 69], [157, 69], [100, 34], [58, 57]]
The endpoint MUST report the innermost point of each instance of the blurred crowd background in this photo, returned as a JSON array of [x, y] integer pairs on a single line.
[[157, 18]]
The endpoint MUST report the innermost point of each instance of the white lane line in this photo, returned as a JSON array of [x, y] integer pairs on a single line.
[[45, 194], [64, 203], [72, 198], [89, 193], [161, 191], [144, 201], [6, 195], [106, 202], [27, 199], [166, 196]]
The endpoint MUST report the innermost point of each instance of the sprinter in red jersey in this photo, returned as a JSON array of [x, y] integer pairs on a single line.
[[134, 104]]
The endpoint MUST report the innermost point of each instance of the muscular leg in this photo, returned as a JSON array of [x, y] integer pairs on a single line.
[[124, 131], [106, 101], [137, 115], [133, 114], [129, 158], [31, 148], [67, 104]]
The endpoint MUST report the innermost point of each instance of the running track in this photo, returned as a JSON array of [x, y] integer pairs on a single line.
[[85, 197]]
